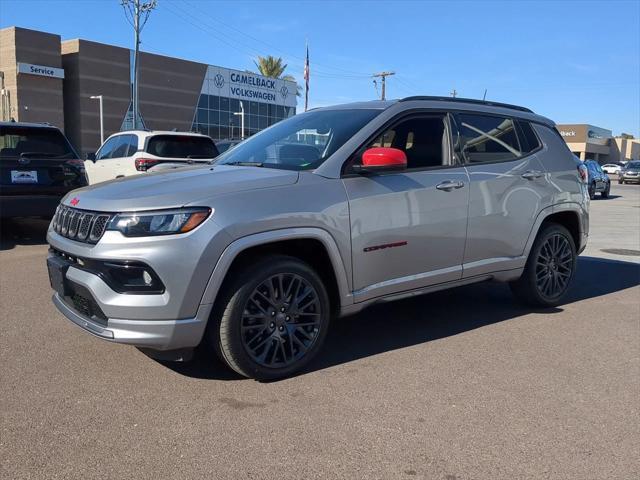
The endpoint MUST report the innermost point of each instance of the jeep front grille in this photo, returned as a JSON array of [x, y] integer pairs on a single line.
[[80, 225]]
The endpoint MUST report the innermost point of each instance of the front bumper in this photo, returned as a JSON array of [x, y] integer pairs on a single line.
[[630, 178], [154, 334]]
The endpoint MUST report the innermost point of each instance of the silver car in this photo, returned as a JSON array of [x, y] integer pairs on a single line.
[[317, 217]]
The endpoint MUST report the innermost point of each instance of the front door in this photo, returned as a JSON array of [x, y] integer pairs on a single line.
[[408, 228]]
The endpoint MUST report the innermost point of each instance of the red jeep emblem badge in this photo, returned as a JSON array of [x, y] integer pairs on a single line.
[[74, 201]]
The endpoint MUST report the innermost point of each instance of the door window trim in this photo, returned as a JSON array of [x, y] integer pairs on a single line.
[[403, 116]]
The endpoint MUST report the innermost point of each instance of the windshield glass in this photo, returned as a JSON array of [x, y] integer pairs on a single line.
[[33, 142], [301, 142], [633, 165]]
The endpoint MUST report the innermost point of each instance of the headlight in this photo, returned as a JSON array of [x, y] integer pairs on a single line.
[[167, 222]]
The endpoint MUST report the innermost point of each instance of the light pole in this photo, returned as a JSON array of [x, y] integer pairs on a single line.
[[99, 98], [241, 113]]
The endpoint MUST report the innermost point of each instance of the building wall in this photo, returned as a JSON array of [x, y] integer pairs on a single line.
[[94, 69], [34, 98]]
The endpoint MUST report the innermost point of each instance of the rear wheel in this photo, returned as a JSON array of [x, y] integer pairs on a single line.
[[274, 319], [549, 268]]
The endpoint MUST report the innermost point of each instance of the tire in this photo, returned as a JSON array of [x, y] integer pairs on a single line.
[[592, 190], [606, 191], [263, 332], [551, 264], [620, 181]]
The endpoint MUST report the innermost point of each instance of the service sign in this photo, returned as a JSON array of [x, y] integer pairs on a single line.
[[248, 86], [40, 70]]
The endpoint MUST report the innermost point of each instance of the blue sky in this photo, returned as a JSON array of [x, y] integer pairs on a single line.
[[575, 62]]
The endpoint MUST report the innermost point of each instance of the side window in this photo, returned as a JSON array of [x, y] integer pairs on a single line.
[[121, 147], [424, 140], [106, 149], [132, 144], [528, 138], [485, 138]]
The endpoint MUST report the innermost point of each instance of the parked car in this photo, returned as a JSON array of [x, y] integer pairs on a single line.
[[226, 144], [631, 173], [135, 152], [38, 166], [599, 181], [612, 168], [256, 253]]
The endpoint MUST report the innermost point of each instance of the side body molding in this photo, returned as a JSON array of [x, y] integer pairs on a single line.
[[237, 246]]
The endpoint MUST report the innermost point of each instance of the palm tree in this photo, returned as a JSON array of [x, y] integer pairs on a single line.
[[273, 67]]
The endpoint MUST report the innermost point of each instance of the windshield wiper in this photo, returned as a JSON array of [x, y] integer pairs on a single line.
[[245, 164]]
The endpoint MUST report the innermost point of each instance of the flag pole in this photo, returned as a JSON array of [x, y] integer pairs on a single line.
[[306, 79]]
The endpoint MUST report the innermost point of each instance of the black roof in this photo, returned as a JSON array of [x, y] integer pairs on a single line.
[[467, 100]]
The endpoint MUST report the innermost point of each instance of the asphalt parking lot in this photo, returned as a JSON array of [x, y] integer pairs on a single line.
[[464, 384]]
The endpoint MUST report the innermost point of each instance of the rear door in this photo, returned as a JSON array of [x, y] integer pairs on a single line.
[[37, 161], [507, 190]]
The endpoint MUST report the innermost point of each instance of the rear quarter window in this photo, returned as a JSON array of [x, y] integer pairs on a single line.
[[181, 146]]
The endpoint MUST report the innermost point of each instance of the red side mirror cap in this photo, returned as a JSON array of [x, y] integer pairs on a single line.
[[382, 159]]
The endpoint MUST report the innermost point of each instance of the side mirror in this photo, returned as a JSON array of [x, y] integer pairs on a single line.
[[91, 156], [382, 159]]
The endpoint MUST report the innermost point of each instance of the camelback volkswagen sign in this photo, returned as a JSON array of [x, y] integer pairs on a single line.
[[225, 82]]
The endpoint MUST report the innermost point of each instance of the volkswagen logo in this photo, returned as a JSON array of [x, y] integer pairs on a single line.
[[284, 91], [218, 81]]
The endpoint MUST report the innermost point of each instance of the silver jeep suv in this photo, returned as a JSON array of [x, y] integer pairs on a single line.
[[320, 216]]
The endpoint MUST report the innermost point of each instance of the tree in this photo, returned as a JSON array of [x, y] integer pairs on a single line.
[[273, 67]]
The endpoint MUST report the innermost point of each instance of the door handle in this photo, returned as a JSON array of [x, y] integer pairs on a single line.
[[532, 174], [449, 185]]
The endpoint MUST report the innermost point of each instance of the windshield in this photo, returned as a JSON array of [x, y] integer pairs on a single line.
[[633, 165], [33, 142], [301, 142]]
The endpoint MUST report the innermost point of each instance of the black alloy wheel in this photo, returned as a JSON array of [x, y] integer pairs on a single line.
[[554, 266], [273, 316], [281, 320]]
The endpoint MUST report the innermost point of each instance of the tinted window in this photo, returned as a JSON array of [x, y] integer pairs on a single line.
[[181, 146], [301, 142], [107, 148], [132, 141], [528, 139], [121, 147], [633, 165], [423, 139], [486, 138], [33, 142]]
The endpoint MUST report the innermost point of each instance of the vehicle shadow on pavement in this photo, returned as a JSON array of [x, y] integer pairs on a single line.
[[22, 231], [390, 326]]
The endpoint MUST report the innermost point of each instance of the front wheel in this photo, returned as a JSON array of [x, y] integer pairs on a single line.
[[592, 190], [549, 268], [275, 316], [621, 181], [606, 191]]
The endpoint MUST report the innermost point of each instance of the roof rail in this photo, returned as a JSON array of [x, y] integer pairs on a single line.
[[467, 100]]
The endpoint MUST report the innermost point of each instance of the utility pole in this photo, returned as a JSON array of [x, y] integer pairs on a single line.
[[137, 13], [454, 93], [383, 75]]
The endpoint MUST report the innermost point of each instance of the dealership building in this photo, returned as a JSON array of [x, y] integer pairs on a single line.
[[49, 80], [589, 142]]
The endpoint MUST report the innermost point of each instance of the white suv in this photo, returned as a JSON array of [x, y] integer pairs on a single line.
[[137, 151]]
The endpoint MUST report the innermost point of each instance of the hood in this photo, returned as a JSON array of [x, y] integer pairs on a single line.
[[175, 188]]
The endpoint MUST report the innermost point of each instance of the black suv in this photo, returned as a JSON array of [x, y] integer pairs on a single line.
[[599, 181], [38, 166]]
